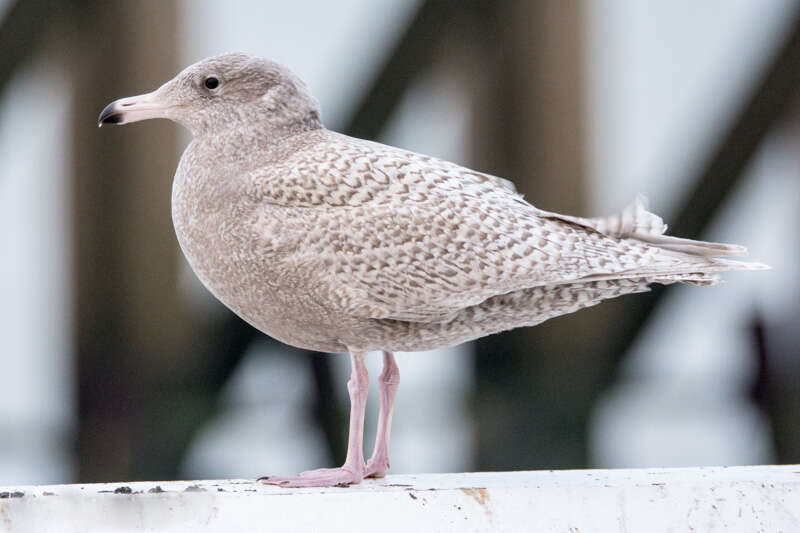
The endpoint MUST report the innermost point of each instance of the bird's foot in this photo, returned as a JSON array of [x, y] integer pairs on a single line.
[[377, 467], [323, 477]]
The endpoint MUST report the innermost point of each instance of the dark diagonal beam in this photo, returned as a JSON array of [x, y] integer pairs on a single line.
[[413, 53]]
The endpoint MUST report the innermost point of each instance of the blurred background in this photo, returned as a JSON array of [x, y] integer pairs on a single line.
[[115, 364]]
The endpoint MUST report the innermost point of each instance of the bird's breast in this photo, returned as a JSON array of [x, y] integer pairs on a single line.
[[241, 253]]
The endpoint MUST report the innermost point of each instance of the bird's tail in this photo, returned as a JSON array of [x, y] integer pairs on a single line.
[[682, 260]]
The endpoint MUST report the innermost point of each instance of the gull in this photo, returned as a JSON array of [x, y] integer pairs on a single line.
[[337, 244]]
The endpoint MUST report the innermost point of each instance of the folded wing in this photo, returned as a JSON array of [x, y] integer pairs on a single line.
[[402, 236]]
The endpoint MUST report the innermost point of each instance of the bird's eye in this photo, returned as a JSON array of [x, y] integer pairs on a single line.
[[211, 83]]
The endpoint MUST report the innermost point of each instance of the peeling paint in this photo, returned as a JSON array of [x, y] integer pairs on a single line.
[[480, 495], [4, 515]]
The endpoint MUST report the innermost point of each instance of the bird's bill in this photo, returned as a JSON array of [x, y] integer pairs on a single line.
[[132, 109]]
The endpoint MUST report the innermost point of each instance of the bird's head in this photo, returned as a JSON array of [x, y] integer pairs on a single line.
[[224, 92]]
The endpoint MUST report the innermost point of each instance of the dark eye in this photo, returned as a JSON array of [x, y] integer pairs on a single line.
[[211, 83]]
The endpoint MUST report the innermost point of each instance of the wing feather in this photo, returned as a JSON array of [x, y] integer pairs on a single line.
[[398, 235]]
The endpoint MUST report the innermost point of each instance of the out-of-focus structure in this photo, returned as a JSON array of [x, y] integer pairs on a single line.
[[115, 364]]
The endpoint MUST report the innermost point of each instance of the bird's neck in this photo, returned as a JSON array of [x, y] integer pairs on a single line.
[[262, 134]]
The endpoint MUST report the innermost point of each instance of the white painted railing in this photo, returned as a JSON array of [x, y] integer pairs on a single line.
[[746, 499]]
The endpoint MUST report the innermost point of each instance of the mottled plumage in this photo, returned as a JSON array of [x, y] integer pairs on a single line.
[[339, 244]]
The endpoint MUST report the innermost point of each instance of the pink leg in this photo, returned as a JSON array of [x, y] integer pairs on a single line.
[[388, 382], [352, 471]]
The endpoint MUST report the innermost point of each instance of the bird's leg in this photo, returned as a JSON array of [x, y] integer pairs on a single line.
[[352, 471], [388, 382]]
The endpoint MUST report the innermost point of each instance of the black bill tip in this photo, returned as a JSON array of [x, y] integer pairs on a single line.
[[111, 114]]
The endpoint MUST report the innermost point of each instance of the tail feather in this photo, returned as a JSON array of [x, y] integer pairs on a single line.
[[682, 260], [699, 273], [635, 220], [692, 247]]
